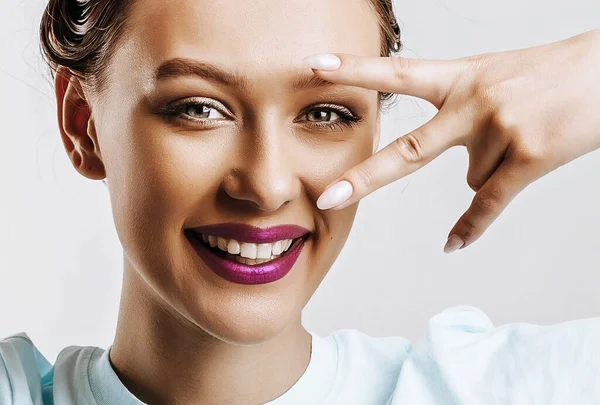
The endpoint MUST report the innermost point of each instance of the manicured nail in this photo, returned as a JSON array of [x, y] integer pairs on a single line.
[[323, 61], [454, 242], [335, 195]]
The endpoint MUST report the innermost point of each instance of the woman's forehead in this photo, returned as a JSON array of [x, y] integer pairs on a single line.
[[259, 32]]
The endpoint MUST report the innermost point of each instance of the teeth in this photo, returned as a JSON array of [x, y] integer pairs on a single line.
[[263, 251], [222, 244], [277, 247], [233, 247], [249, 251]]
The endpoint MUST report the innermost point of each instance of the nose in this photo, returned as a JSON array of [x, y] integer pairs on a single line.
[[264, 173]]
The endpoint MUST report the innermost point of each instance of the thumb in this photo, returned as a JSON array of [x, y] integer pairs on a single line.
[[431, 80]]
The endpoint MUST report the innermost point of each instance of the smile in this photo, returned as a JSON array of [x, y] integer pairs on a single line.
[[246, 254]]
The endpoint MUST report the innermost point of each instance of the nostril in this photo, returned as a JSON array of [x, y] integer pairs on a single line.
[[261, 189]]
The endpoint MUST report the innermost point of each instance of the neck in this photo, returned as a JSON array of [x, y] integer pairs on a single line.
[[164, 358]]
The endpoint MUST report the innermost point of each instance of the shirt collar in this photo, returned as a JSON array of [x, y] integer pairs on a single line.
[[312, 387]]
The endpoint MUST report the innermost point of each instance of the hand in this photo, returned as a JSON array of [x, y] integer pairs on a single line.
[[521, 114]]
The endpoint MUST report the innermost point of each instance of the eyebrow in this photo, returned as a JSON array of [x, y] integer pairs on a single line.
[[190, 67]]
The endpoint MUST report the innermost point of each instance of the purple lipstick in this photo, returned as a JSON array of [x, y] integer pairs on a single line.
[[223, 263]]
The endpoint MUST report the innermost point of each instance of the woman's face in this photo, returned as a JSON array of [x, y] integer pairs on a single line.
[[210, 118]]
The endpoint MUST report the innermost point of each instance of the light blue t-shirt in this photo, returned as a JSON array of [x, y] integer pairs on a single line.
[[462, 360]]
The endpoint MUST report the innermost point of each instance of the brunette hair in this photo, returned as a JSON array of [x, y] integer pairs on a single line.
[[82, 35]]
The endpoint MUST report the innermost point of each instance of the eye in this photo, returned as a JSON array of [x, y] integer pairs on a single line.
[[330, 117], [198, 111], [322, 115], [201, 111]]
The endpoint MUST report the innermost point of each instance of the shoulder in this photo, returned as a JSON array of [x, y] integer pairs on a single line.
[[463, 357], [385, 353], [26, 376], [367, 367], [24, 371], [466, 327]]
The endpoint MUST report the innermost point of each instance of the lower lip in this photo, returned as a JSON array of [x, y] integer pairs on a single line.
[[247, 274]]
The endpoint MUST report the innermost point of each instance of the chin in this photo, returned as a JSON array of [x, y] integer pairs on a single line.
[[248, 326]]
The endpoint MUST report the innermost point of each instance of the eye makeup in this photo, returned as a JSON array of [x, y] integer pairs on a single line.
[[347, 119], [180, 110], [184, 111]]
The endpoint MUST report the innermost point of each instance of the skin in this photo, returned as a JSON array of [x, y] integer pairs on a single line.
[[521, 114], [218, 342], [261, 161]]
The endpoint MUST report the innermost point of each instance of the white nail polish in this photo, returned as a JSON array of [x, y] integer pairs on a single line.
[[454, 243], [335, 195], [323, 61]]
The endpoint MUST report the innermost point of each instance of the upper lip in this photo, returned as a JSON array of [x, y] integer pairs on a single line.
[[252, 234]]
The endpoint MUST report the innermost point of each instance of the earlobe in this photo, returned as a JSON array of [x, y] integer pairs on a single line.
[[76, 126]]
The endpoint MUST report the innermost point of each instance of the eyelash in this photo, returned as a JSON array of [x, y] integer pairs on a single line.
[[346, 118]]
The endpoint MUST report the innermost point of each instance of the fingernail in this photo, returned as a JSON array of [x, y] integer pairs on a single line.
[[323, 61], [335, 195], [454, 242]]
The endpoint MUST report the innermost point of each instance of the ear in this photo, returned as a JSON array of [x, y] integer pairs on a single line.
[[377, 136], [76, 126]]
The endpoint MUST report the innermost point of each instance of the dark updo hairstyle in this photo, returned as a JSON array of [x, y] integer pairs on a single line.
[[81, 35]]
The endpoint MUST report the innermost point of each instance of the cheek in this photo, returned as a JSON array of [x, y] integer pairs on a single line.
[[158, 181], [181, 173], [326, 161]]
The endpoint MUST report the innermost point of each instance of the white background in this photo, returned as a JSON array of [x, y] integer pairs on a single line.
[[60, 258]]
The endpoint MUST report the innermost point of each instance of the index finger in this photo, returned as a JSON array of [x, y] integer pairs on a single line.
[[431, 80], [398, 159]]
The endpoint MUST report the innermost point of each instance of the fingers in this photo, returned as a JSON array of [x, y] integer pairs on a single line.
[[489, 202], [485, 155], [400, 158], [431, 80]]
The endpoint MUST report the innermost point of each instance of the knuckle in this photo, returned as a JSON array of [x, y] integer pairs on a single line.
[[492, 96], [400, 67], [474, 183], [486, 95], [506, 121], [486, 203], [408, 149], [365, 178], [531, 154], [351, 66], [478, 63], [468, 229]]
